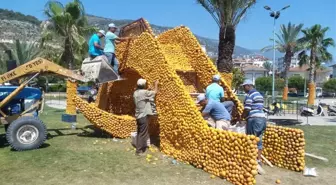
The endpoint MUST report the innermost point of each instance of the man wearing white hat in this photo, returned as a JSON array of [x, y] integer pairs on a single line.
[[143, 109], [95, 48], [215, 113], [216, 92], [255, 116], [110, 41]]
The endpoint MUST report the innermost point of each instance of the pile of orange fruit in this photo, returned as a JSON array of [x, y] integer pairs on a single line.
[[175, 57], [284, 147], [184, 134], [71, 91], [200, 62], [117, 126]]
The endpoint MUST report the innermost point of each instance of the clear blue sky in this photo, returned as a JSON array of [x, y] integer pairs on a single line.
[[253, 32]]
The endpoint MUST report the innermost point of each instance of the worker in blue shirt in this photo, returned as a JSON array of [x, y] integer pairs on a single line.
[[110, 43], [95, 47], [216, 92], [214, 112]]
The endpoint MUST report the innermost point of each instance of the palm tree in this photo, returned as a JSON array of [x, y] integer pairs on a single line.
[[3, 66], [227, 14], [287, 42], [24, 51], [70, 25], [268, 66], [314, 41]]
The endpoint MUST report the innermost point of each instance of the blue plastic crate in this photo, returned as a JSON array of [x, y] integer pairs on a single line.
[[69, 118]]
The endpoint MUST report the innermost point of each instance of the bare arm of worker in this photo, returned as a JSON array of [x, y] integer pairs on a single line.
[[156, 86], [245, 113], [122, 39], [98, 46], [151, 93], [247, 107], [205, 114]]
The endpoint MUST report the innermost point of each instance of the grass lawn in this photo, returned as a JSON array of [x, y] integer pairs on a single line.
[[88, 156]]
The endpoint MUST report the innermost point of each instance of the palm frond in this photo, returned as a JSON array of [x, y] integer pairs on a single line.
[[19, 52], [241, 9], [53, 8], [303, 58], [210, 6]]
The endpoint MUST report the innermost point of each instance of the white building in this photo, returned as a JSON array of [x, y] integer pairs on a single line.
[[253, 72], [281, 63], [203, 48], [322, 75]]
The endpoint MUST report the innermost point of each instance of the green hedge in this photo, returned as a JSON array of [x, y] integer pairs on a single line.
[[57, 88]]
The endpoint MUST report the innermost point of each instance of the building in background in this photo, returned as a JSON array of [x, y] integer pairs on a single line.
[[253, 72], [204, 48], [281, 63], [247, 60], [322, 75]]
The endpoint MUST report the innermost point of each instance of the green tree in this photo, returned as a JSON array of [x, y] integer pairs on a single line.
[[70, 25], [296, 82], [330, 85], [227, 14], [287, 42], [24, 51], [3, 65], [264, 84], [314, 41], [238, 78], [268, 66]]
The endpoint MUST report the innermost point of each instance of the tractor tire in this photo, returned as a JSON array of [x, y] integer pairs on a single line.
[[26, 133]]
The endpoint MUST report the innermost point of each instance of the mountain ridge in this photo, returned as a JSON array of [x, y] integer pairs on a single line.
[[15, 25]]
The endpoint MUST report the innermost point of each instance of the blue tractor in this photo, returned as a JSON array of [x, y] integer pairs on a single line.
[[24, 130], [20, 105]]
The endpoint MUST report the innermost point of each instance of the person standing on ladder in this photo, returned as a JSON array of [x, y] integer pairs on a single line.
[[109, 50]]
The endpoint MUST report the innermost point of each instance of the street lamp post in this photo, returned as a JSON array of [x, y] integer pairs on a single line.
[[275, 15]]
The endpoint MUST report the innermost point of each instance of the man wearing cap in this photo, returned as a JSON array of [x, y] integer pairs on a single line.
[[109, 50], [95, 48], [215, 112], [142, 99], [255, 116], [216, 92]]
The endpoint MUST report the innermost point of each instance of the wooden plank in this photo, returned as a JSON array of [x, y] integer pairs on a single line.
[[267, 161], [317, 157]]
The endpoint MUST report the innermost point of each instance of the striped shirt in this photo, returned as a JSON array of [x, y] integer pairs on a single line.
[[254, 102]]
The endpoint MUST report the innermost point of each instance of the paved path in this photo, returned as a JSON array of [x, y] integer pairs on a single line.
[[57, 104], [293, 119], [288, 119]]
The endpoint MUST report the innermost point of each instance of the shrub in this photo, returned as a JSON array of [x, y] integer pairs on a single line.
[[264, 84], [296, 82], [330, 85]]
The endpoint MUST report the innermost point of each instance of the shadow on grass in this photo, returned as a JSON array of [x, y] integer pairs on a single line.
[[98, 133], [44, 145], [52, 133], [3, 141], [285, 122], [94, 132]]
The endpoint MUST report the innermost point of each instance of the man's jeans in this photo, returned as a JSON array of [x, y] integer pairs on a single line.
[[229, 106], [113, 61], [256, 126]]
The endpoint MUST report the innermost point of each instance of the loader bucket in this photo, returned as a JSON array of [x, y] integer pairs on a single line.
[[98, 70]]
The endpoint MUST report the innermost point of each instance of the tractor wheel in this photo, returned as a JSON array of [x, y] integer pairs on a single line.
[[26, 133]]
